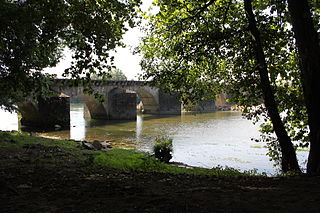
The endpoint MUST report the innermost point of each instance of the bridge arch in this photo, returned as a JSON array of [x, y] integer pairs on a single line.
[[148, 100], [145, 98], [95, 108]]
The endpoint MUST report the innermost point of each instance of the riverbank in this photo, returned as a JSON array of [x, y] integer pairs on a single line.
[[200, 140], [43, 175]]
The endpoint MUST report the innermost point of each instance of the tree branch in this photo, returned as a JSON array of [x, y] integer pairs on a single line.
[[204, 7]]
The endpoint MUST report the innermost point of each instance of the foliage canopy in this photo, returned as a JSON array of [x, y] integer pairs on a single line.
[[113, 74], [200, 48], [35, 32]]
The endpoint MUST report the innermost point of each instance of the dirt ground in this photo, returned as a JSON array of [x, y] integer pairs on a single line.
[[63, 184]]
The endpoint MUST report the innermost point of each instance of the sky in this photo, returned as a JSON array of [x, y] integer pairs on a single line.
[[124, 59]]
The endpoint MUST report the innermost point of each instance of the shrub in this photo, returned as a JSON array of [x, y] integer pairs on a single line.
[[163, 149]]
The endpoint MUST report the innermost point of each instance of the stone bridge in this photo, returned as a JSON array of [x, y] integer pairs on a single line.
[[120, 103], [121, 98]]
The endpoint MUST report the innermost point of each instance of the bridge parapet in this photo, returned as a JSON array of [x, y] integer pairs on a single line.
[[69, 82]]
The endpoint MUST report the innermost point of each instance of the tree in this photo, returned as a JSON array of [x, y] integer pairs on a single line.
[[34, 33], [115, 74], [289, 159], [118, 75], [307, 41], [203, 47]]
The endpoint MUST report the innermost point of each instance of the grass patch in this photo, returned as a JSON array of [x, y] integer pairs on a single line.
[[130, 160], [127, 160], [18, 139]]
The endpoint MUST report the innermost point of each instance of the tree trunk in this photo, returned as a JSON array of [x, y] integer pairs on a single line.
[[289, 160], [307, 42]]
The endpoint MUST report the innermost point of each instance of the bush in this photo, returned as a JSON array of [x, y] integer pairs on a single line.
[[163, 149]]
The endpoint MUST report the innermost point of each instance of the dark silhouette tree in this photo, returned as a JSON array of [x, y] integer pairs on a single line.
[[307, 42]]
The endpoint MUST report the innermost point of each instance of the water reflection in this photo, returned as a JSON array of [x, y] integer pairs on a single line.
[[9, 121], [77, 122], [139, 126]]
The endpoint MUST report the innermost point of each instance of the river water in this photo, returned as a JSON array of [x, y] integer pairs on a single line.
[[204, 140]]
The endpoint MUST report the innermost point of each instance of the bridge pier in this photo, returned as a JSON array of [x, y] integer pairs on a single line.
[[122, 106], [46, 113], [169, 104]]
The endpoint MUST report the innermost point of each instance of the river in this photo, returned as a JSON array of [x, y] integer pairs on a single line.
[[204, 140]]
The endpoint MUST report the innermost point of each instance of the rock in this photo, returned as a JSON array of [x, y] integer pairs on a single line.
[[88, 145], [97, 145], [57, 127], [106, 144]]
